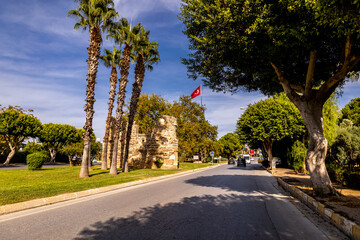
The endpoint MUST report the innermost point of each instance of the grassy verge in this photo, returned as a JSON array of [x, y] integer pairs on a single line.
[[22, 185]]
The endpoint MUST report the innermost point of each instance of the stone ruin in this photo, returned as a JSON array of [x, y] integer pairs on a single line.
[[160, 144]]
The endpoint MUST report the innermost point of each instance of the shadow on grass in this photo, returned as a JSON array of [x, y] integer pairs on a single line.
[[225, 216]]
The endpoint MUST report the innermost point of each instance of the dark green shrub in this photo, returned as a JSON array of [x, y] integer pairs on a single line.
[[158, 163], [36, 160], [298, 155], [351, 179]]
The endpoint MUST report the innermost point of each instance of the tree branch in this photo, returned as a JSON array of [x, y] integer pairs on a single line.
[[347, 49], [310, 73], [287, 86], [333, 81]]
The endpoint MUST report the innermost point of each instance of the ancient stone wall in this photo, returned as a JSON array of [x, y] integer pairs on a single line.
[[159, 145]]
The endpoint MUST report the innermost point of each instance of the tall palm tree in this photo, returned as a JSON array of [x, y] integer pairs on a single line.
[[94, 15], [147, 56], [123, 34], [111, 59]]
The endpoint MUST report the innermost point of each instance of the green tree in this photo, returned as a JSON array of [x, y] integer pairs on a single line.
[[230, 144], [331, 113], [346, 148], [111, 59], [195, 134], [351, 111], [269, 120], [93, 15], [298, 155], [55, 136], [147, 55], [150, 109], [304, 48], [15, 126], [32, 147], [123, 34], [3, 145]]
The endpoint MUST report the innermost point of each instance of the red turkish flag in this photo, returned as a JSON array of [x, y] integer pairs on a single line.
[[196, 93]]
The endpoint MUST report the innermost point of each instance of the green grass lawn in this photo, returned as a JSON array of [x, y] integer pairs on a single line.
[[22, 185]]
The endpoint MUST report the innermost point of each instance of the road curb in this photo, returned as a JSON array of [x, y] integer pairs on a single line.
[[15, 207], [350, 228]]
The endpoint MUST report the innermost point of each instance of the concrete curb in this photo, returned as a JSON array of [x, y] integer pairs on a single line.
[[15, 207], [348, 227]]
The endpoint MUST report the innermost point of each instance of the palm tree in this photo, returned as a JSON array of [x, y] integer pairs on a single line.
[[110, 59], [147, 55], [94, 15], [123, 34]]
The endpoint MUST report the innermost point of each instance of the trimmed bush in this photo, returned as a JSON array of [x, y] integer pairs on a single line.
[[36, 160]]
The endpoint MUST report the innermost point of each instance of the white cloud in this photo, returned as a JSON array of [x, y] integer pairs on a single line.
[[134, 9]]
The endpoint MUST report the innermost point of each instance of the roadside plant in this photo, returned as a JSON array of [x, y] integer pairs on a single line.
[[36, 160]]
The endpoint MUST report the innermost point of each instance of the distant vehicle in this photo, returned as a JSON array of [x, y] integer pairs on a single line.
[[231, 161], [247, 158], [241, 162]]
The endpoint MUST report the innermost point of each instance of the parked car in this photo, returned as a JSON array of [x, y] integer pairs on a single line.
[[231, 161]]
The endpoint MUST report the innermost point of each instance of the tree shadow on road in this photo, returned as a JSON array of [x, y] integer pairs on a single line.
[[225, 216], [239, 183]]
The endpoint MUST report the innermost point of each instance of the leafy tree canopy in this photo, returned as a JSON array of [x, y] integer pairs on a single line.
[[150, 108], [238, 44], [331, 114], [230, 144], [269, 120], [55, 136], [15, 126], [346, 148], [194, 131], [351, 111]]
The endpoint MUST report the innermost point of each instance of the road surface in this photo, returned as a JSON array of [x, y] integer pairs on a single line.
[[227, 202]]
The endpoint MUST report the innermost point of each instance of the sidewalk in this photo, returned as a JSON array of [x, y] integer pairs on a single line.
[[347, 205]]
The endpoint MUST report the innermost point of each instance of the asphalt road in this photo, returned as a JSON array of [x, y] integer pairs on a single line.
[[227, 202]]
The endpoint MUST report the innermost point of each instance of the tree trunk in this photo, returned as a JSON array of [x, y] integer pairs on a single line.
[[268, 148], [93, 62], [89, 160], [53, 153], [113, 81], [11, 155], [124, 72], [84, 171], [70, 157], [139, 78], [311, 112]]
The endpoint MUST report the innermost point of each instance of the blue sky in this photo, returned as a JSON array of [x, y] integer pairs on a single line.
[[43, 63]]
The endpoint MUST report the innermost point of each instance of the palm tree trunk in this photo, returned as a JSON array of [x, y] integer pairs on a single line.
[[113, 81], [124, 72], [93, 62], [139, 78]]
